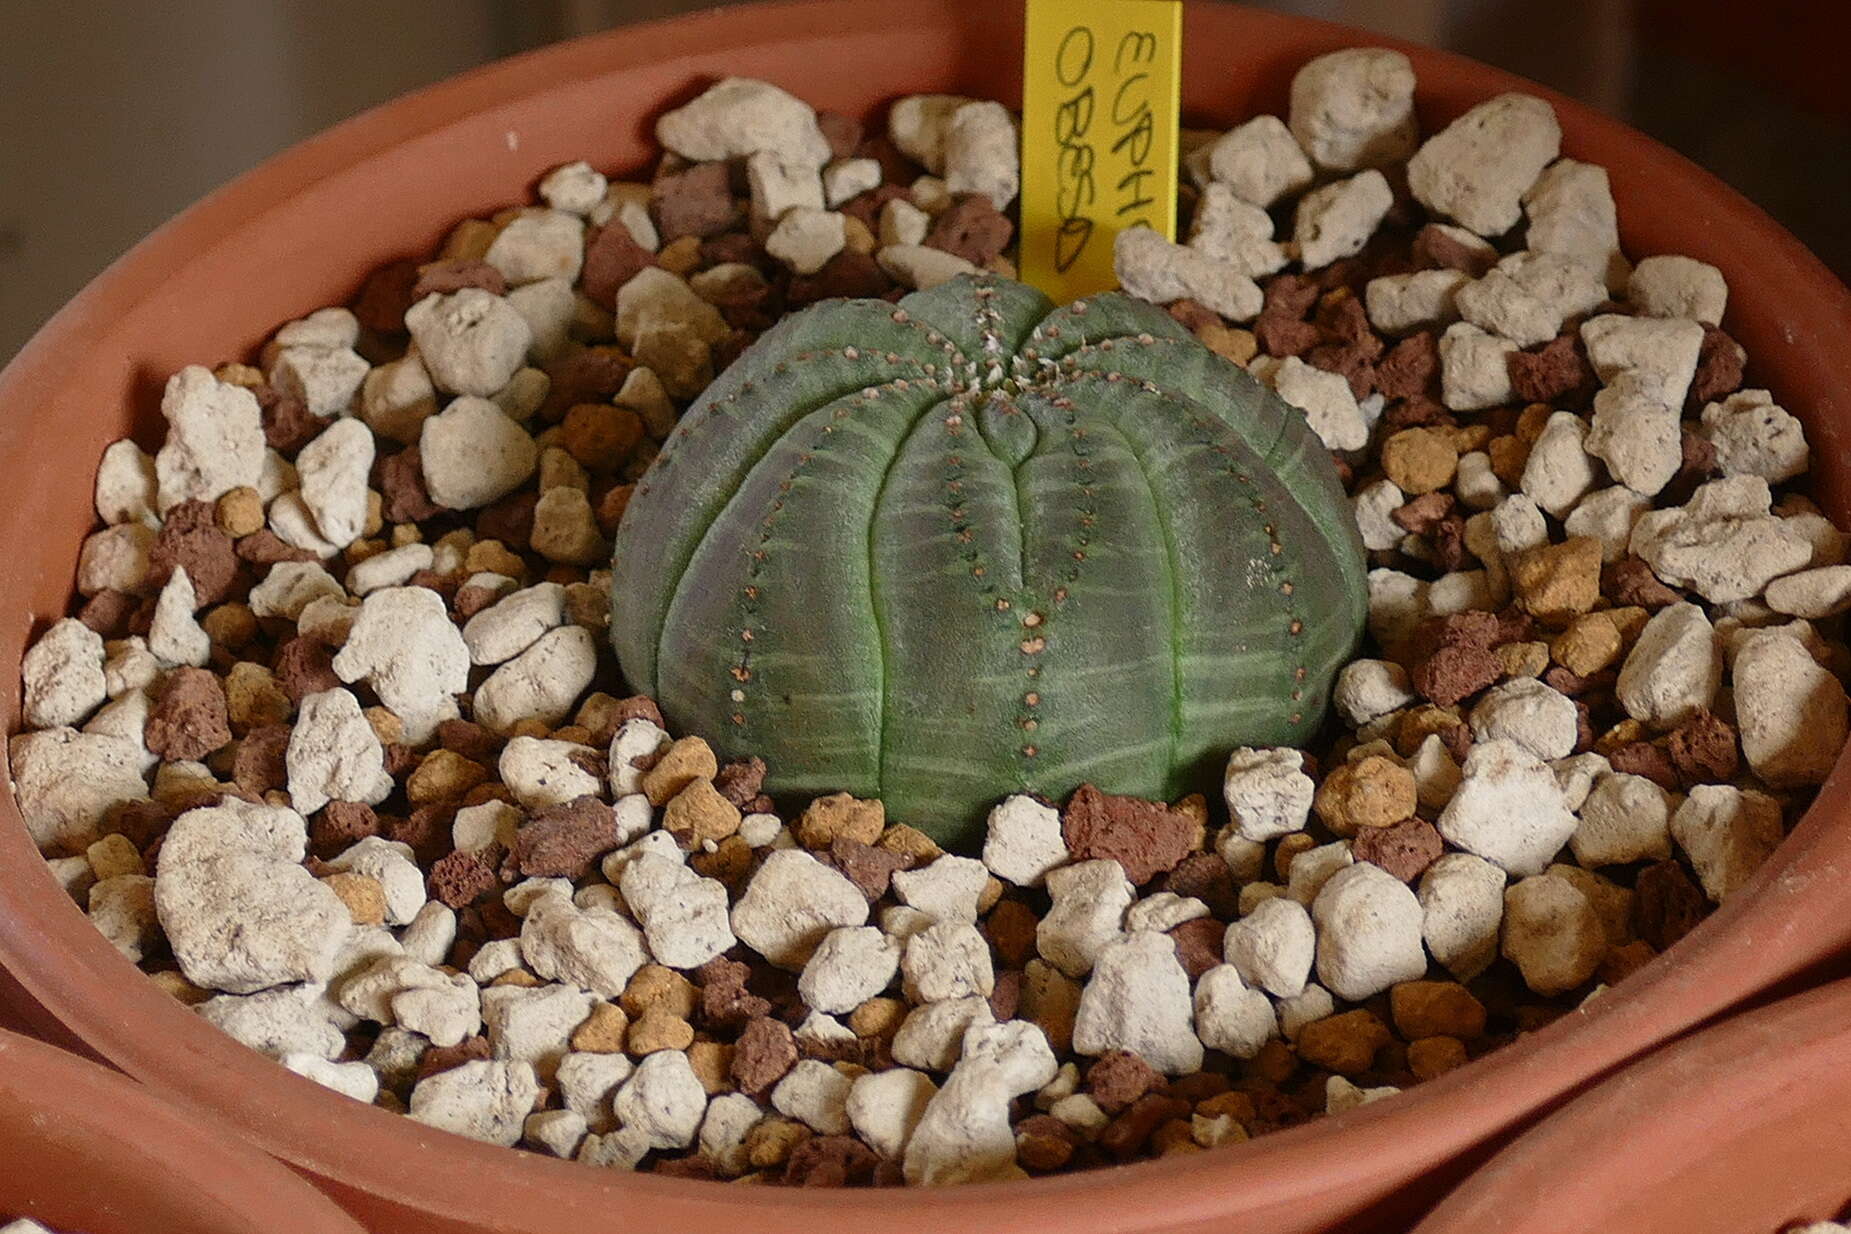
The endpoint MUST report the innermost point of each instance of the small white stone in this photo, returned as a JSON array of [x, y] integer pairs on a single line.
[[1308, 1008], [791, 903], [1508, 809], [903, 225], [1327, 401], [393, 867], [1477, 169], [947, 888], [473, 454], [1625, 818], [334, 755], [1163, 912], [1674, 668], [806, 238], [1673, 286], [846, 179], [1664, 347], [1790, 711], [1355, 108], [356, 1080], [1023, 841], [1755, 437], [1311, 869], [594, 949], [850, 966], [739, 116], [1273, 946], [683, 915], [63, 675], [175, 636], [404, 645], [1236, 231], [66, 783], [1558, 473], [1812, 594], [533, 1025], [483, 1099], [1368, 932], [815, 1094], [1552, 934], [542, 772], [920, 267], [1608, 515], [1636, 432], [1571, 212], [947, 960], [1530, 714], [1261, 161], [723, 1132], [215, 440], [115, 558], [1425, 299], [965, 1134], [1341, 1095], [126, 486], [1474, 368], [931, 1037], [1089, 900], [1723, 543], [574, 187], [555, 1132], [1230, 1016], [1370, 689], [1727, 833], [885, 1106], [1335, 221], [1374, 503], [471, 341], [982, 153], [538, 244], [288, 1019], [122, 909], [916, 124], [1138, 1000], [543, 682], [1152, 268]]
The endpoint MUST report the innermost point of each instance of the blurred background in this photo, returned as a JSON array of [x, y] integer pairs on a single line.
[[114, 114]]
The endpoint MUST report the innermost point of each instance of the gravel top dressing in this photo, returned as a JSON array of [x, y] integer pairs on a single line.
[[1011, 740]]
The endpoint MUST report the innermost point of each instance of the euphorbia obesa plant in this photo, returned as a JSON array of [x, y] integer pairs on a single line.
[[971, 544]]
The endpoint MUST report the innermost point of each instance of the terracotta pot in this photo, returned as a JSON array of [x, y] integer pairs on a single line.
[[301, 231], [90, 1152], [1739, 1129]]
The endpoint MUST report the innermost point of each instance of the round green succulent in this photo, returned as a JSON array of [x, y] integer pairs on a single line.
[[971, 544]]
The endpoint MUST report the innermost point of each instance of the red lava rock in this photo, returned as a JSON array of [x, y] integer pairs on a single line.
[[612, 258], [1629, 581], [1557, 373], [108, 612], [1198, 943], [340, 825], [288, 425], [266, 548], [1127, 1133], [400, 478], [305, 666], [847, 274], [564, 841], [426, 829], [868, 866], [695, 202], [1353, 362], [441, 1058], [1448, 539], [1704, 751], [1290, 295], [1404, 850], [452, 274], [470, 740], [1145, 837], [462, 878], [385, 297], [1721, 362], [725, 1001], [189, 720], [1456, 672], [1118, 1078], [259, 764], [972, 228], [1435, 250], [1642, 758], [1206, 877], [739, 782], [589, 375], [830, 1161], [1411, 368], [1424, 513], [1010, 929], [1279, 334], [765, 1051], [190, 537], [1666, 904], [1418, 411], [510, 520], [472, 600], [1344, 321]]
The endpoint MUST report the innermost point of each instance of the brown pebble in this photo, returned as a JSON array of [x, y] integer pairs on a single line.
[[766, 1049], [1147, 838], [1430, 1057], [361, 893], [1345, 1043], [1117, 1078], [1374, 791], [685, 761], [1436, 1009], [1554, 582], [698, 815], [1404, 850], [189, 720], [190, 537]]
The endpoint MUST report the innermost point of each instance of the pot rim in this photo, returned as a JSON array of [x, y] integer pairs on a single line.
[[1378, 1148]]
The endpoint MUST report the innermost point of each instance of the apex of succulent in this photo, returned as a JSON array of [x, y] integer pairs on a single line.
[[971, 545]]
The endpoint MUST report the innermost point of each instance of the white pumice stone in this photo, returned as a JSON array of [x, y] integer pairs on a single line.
[[846, 179], [684, 916], [1674, 286], [850, 966], [964, 1134], [543, 682], [1138, 999], [334, 755], [722, 1136], [1625, 818], [287, 1019], [1436, 774], [1812, 594], [215, 439], [916, 124], [238, 908], [947, 888], [1530, 714], [816, 1095], [1571, 212], [1355, 108], [393, 568], [1294, 1013], [739, 116], [404, 645], [1608, 515], [1790, 711], [294, 524], [470, 341], [1636, 432], [885, 1106], [431, 933], [1152, 268], [1023, 841], [393, 867], [903, 225], [1664, 347], [588, 1081], [921, 267], [1474, 368], [1754, 436], [635, 739], [558, 1133], [593, 949], [483, 1099], [63, 675], [1335, 221], [1163, 912], [1328, 403], [1341, 1095], [1374, 503], [1552, 934], [533, 1025], [66, 782], [1723, 543], [333, 471], [115, 558], [1230, 1016], [1402, 303], [1089, 900], [1244, 857], [791, 903], [931, 1037], [806, 238], [122, 909], [1260, 161], [1369, 689], [949, 959], [1273, 946], [478, 826], [514, 623], [575, 187], [538, 245], [1311, 869], [1674, 668], [473, 454], [1368, 932], [982, 153], [1477, 169], [355, 1080], [1508, 809], [127, 488], [550, 308], [1727, 833], [290, 587], [1558, 472], [175, 635], [1236, 231], [542, 772]]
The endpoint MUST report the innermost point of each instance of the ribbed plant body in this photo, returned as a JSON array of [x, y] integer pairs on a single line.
[[972, 544]]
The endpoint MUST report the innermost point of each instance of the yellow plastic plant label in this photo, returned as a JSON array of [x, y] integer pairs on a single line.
[[1101, 97]]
